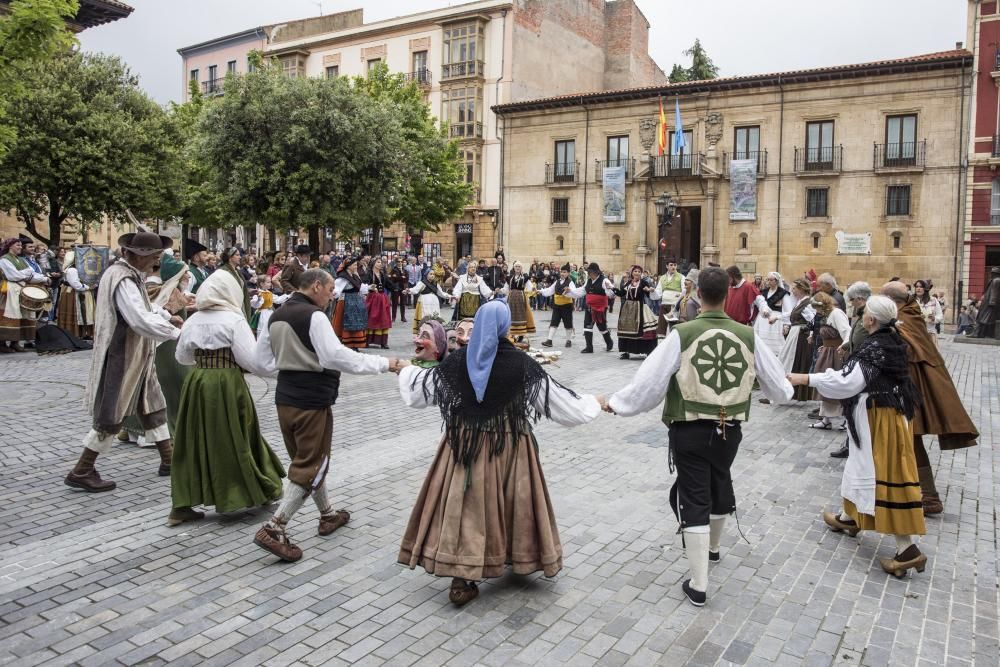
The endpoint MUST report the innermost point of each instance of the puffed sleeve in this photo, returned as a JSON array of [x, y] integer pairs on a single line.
[[649, 386], [833, 384], [567, 409], [411, 387], [244, 348]]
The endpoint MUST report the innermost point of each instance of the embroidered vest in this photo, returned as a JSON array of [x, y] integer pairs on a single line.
[[717, 371], [558, 298]]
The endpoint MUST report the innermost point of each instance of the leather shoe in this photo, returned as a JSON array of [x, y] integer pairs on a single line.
[[90, 482], [838, 526], [932, 504], [900, 563], [697, 598], [276, 541], [840, 453], [179, 515], [462, 592], [328, 524]]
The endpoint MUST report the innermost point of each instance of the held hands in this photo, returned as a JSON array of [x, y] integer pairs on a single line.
[[772, 319], [798, 379], [396, 365], [177, 321], [603, 400]]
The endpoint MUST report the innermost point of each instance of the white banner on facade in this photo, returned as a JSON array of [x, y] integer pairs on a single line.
[[854, 244], [743, 190], [613, 209]]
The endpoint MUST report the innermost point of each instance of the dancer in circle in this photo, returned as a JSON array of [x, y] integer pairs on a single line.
[[796, 353], [597, 288], [484, 503], [781, 302], [429, 300], [561, 293], [430, 344], [636, 322], [469, 293], [522, 320]]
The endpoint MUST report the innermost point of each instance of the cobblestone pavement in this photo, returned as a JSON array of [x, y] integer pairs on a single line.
[[94, 579]]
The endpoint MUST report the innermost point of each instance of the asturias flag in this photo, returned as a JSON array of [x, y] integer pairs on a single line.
[[661, 130], [678, 128]]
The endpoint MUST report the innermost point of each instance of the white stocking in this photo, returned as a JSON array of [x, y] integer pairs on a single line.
[[696, 549], [716, 524]]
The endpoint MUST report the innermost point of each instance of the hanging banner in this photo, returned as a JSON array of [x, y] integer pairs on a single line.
[[614, 194], [91, 262], [743, 190]]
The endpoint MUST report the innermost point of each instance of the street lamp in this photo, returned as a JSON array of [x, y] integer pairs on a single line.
[[666, 208]]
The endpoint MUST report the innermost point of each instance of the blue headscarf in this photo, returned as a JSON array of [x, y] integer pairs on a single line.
[[492, 322]]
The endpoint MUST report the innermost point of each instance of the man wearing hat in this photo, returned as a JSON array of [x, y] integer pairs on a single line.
[[122, 379], [596, 289], [294, 269], [561, 292], [989, 308], [197, 256]]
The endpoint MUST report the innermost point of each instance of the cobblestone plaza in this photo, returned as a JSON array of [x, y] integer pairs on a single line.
[[99, 579]]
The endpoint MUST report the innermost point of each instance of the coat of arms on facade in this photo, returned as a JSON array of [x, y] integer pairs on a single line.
[[647, 133], [713, 127]]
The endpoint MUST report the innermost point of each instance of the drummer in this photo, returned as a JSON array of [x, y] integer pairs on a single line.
[[17, 323]]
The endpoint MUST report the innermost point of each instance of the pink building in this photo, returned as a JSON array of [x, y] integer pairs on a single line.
[[206, 64]]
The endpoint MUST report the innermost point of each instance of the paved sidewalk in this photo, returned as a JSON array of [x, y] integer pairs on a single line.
[[94, 579]]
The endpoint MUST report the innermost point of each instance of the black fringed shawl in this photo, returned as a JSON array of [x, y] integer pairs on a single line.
[[516, 382], [882, 357]]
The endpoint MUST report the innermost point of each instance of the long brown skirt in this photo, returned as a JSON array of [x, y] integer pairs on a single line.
[[502, 517], [68, 314], [522, 322], [898, 506]]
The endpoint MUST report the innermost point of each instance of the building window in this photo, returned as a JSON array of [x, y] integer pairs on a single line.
[[372, 64], [291, 66], [995, 203], [194, 75], [560, 244], [463, 43], [420, 71], [251, 67], [565, 160], [560, 211], [617, 151], [746, 142], [213, 72], [231, 67], [901, 140], [463, 111], [897, 201], [472, 166], [897, 240], [616, 242], [332, 71], [744, 241], [817, 200], [819, 145], [815, 239]]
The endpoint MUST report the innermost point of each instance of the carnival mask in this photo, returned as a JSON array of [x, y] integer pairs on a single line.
[[426, 345]]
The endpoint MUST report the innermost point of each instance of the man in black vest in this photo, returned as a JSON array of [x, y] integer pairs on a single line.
[[299, 342]]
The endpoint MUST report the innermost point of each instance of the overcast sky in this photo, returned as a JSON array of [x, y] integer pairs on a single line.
[[741, 36]]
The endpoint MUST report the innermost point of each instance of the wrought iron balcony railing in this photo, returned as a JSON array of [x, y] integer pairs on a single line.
[[213, 86], [907, 154], [681, 165], [760, 156], [628, 163], [564, 173], [822, 158], [465, 68], [422, 77]]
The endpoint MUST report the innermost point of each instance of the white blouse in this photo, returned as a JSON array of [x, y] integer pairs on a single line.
[[72, 278], [463, 284], [15, 275], [216, 329], [838, 320], [564, 408]]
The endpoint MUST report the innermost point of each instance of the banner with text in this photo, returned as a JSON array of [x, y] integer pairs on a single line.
[[613, 209], [743, 190]]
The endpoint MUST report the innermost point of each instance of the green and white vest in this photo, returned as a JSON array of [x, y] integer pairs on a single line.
[[717, 371]]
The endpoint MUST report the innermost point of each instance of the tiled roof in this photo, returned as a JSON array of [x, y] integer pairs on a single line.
[[928, 61]]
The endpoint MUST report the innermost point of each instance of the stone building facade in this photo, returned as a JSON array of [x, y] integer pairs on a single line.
[[858, 172], [981, 234]]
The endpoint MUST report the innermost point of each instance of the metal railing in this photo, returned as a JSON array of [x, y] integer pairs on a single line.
[[561, 172], [465, 130], [907, 154], [822, 158], [760, 156], [421, 77], [682, 165], [463, 69], [628, 163], [476, 196], [213, 86]]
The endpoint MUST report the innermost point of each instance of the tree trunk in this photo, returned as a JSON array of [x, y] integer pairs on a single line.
[[314, 242], [55, 225]]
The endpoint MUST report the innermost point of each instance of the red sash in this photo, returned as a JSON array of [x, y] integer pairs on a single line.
[[598, 304]]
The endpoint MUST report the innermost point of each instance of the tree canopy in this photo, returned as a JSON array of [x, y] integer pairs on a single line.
[[89, 145], [701, 69]]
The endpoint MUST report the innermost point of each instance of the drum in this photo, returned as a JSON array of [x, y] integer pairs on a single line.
[[35, 298]]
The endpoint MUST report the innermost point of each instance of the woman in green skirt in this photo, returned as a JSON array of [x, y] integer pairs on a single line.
[[220, 457]]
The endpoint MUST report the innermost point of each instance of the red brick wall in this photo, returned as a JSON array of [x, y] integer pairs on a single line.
[[986, 97]]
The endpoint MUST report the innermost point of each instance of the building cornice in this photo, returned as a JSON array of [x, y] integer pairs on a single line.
[[259, 32]]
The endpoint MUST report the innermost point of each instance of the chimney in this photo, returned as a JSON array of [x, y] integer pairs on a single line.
[[958, 46]]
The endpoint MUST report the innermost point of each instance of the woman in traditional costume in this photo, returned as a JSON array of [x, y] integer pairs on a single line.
[[76, 306], [880, 484], [428, 303], [231, 258], [220, 457], [484, 503], [377, 305], [688, 306], [16, 324], [636, 322], [779, 300], [833, 331], [522, 322], [930, 307], [470, 291], [350, 316], [796, 354]]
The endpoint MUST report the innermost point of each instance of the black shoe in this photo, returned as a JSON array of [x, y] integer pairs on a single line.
[[623, 355], [546, 343], [714, 556], [840, 453], [587, 350], [697, 598]]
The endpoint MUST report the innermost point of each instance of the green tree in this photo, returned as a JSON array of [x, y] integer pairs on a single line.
[[702, 67], [198, 203], [90, 145], [30, 34]]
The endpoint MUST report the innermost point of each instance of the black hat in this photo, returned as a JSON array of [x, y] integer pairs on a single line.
[[565, 267], [593, 268], [144, 243], [192, 248], [302, 249]]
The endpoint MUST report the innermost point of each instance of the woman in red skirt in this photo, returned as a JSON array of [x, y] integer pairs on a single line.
[[377, 303]]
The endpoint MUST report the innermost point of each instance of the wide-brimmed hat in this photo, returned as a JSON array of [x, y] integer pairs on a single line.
[[192, 248], [145, 243]]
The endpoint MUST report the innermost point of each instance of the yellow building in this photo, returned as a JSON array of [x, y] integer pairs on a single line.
[[858, 171]]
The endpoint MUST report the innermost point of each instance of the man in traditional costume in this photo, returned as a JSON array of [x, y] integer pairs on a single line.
[[309, 358], [484, 503], [561, 292], [470, 292], [197, 258], [941, 413], [703, 373], [493, 275], [17, 324], [294, 269], [989, 308], [744, 301], [122, 375], [596, 291], [668, 292]]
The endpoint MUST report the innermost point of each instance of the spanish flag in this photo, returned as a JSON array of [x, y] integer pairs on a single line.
[[661, 130]]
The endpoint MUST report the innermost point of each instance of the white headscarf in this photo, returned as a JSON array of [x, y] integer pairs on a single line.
[[220, 291]]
